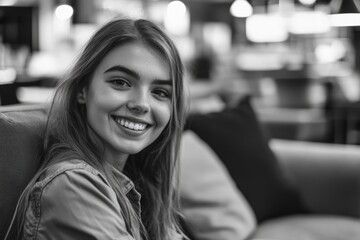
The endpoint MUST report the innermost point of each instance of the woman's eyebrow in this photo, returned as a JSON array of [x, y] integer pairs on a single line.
[[119, 68], [128, 71], [163, 82]]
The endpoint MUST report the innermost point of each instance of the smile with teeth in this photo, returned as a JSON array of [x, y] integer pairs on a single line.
[[131, 125]]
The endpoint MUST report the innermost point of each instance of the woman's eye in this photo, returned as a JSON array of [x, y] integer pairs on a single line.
[[162, 93], [120, 83]]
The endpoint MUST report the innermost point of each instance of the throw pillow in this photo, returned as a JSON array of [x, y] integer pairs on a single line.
[[212, 206], [238, 138]]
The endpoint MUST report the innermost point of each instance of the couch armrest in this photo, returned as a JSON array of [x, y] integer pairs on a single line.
[[326, 175]]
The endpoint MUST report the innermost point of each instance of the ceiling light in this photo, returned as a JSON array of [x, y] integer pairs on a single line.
[[345, 20], [344, 6], [266, 28], [307, 2], [64, 11], [241, 9], [177, 18], [315, 22], [345, 13]]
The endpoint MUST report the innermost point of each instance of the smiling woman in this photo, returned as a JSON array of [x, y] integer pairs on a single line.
[[125, 96], [111, 143]]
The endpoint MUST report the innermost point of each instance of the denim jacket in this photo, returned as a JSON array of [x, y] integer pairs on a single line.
[[72, 200]]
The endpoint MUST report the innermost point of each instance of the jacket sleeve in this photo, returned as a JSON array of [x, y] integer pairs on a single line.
[[79, 205]]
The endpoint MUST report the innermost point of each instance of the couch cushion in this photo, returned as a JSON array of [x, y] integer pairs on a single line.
[[314, 227], [211, 204], [326, 174], [238, 139], [20, 146]]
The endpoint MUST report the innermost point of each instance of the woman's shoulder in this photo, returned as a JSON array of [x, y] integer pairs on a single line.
[[76, 196], [69, 165], [70, 181], [70, 172]]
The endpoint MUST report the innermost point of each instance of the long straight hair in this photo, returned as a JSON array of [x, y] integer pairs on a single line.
[[154, 169]]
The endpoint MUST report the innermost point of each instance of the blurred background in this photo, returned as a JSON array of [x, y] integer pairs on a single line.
[[299, 60]]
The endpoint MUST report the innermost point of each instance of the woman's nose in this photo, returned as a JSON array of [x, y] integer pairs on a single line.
[[139, 103]]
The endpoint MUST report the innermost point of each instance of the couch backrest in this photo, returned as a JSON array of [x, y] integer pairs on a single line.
[[21, 140]]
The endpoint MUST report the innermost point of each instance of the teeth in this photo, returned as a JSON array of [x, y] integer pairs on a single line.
[[131, 125]]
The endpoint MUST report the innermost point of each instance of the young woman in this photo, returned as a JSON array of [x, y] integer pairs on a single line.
[[111, 143]]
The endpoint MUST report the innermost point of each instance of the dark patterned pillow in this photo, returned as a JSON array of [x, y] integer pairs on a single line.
[[238, 138]]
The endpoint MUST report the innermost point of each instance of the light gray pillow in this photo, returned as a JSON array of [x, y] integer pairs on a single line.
[[211, 203]]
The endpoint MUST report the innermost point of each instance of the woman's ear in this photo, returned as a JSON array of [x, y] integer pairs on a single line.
[[81, 96]]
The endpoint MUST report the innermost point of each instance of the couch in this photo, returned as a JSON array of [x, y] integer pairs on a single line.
[[321, 182], [238, 183]]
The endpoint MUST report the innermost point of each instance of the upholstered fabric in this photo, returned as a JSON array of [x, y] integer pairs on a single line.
[[309, 227], [20, 146], [326, 175], [238, 139], [213, 207]]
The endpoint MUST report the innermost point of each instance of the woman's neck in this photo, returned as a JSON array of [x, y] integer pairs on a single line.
[[117, 161]]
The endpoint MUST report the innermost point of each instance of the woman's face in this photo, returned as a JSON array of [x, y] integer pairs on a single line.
[[128, 100]]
